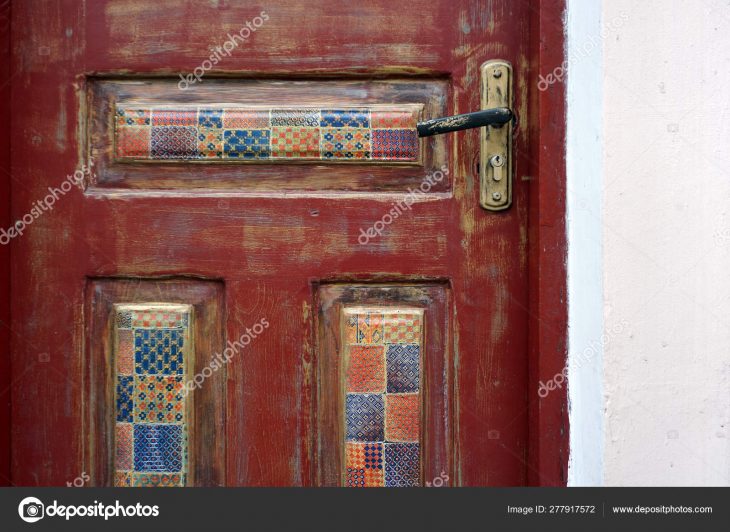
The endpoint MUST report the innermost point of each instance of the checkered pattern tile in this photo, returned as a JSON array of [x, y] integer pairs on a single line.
[[241, 133], [152, 347], [383, 396]]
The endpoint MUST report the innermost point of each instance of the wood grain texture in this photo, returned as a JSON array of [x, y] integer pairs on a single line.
[[206, 410], [270, 251], [5, 221], [548, 310]]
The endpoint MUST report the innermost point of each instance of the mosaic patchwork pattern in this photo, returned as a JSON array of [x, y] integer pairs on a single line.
[[345, 118], [246, 143], [364, 328], [240, 133], [158, 447], [403, 329], [402, 465], [364, 463], [174, 142], [133, 142], [133, 117], [157, 480], [125, 446], [382, 396], [294, 142], [366, 369], [393, 120], [210, 143], [403, 417], [125, 393], [345, 143], [365, 417], [158, 399], [152, 347], [246, 119], [158, 351], [403, 368], [295, 117], [395, 144]]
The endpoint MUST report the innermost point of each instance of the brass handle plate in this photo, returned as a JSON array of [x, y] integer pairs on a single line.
[[495, 164]]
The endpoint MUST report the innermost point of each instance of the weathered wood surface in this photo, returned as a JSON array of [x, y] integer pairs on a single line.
[[269, 249]]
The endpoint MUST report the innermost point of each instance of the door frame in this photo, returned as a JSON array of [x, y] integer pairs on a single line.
[[548, 450], [5, 217], [548, 445]]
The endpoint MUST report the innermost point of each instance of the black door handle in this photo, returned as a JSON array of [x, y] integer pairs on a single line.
[[488, 117]]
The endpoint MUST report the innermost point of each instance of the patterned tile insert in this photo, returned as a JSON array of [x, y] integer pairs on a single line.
[[238, 133], [152, 349], [382, 396]]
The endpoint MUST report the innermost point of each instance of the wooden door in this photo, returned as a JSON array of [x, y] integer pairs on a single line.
[[263, 278]]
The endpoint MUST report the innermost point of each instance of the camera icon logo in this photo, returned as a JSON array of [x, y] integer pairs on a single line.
[[31, 510]]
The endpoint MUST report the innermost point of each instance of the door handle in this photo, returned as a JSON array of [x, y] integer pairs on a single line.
[[495, 162], [488, 117]]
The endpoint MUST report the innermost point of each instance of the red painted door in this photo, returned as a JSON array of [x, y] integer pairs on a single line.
[[262, 277]]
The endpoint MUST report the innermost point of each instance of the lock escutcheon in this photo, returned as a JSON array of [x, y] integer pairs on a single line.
[[496, 139], [497, 162]]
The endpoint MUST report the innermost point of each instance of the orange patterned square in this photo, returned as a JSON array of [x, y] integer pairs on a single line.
[[125, 352], [133, 142], [374, 478], [403, 328], [295, 142], [245, 119], [364, 464], [125, 446], [366, 369], [392, 119], [402, 417], [364, 328]]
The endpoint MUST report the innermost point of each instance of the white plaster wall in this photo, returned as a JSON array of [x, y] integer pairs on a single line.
[[664, 216], [584, 156]]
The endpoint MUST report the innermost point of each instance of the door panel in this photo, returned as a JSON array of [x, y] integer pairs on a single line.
[[385, 380], [267, 241], [156, 382], [120, 145]]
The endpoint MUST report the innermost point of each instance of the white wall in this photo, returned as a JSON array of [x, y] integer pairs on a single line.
[[585, 259], [664, 222]]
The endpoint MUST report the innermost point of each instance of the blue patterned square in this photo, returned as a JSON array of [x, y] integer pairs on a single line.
[[365, 417], [210, 118], [158, 448], [345, 118], [402, 368], [158, 351], [246, 143], [402, 465], [125, 391], [174, 142]]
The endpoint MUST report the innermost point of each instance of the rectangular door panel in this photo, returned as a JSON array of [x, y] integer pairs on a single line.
[[156, 410], [361, 134], [385, 385]]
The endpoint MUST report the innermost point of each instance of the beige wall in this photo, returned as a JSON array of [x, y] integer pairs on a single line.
[[665, 233]]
